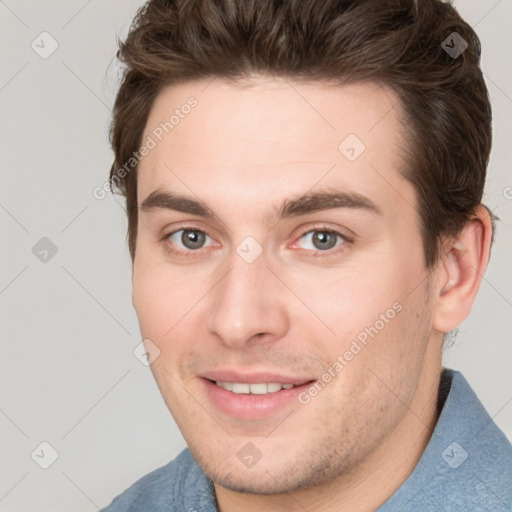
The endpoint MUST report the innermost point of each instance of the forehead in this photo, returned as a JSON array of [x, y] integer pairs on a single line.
[[270, 136]]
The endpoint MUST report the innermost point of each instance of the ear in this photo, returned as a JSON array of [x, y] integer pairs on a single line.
[[461, 265]]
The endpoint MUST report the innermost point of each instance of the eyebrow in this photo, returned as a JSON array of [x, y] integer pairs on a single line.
[[307, 203]]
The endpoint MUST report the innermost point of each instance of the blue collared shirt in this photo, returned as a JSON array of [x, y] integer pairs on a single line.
[[466, 466]]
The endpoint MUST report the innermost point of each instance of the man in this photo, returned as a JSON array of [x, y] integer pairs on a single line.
[[303, 183]]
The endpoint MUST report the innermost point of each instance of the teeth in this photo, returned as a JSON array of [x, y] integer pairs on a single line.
[[258, 389], [240, 388], [253, 389]]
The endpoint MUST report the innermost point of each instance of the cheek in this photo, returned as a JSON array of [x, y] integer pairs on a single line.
[[150, 302], [348, 302], [161, 298], [371, 314]]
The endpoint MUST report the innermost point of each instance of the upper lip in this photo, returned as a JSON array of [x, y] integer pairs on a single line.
[[254, 377]]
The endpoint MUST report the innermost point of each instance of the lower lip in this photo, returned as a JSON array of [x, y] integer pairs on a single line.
[[252, 407]]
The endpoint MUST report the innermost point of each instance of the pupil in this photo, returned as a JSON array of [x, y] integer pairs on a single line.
[[324, 240], [192, 239]]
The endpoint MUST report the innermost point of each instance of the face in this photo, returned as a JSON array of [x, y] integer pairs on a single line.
[[279, 254]]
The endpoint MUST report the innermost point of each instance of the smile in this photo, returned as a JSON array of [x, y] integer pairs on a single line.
[[260, 388], [259, 399]]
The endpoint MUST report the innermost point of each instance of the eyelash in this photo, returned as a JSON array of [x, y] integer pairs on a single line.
[[316, 254]]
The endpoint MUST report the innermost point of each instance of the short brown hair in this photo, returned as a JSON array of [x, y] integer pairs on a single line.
[[398, 43]]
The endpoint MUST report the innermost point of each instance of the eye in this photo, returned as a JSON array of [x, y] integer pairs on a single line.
[[322, 240], [187, 239]]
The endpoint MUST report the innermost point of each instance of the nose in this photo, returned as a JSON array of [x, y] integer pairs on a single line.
[[247, 306]]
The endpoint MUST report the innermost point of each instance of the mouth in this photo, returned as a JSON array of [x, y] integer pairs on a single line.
[[257, 388], [253, 397]]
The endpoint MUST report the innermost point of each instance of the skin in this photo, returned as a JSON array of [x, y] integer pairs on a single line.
[[243, 150]]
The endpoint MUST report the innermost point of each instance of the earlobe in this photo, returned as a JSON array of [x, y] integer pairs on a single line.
[[462, 263]]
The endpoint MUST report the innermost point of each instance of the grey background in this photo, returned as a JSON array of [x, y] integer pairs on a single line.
[[68, 373]]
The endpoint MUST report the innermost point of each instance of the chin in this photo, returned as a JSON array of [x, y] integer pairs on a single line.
[[259, 482], [265, 478]]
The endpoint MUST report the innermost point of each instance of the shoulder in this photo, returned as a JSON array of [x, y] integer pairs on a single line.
[[179, 485], [466, 465], [475, 455]]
